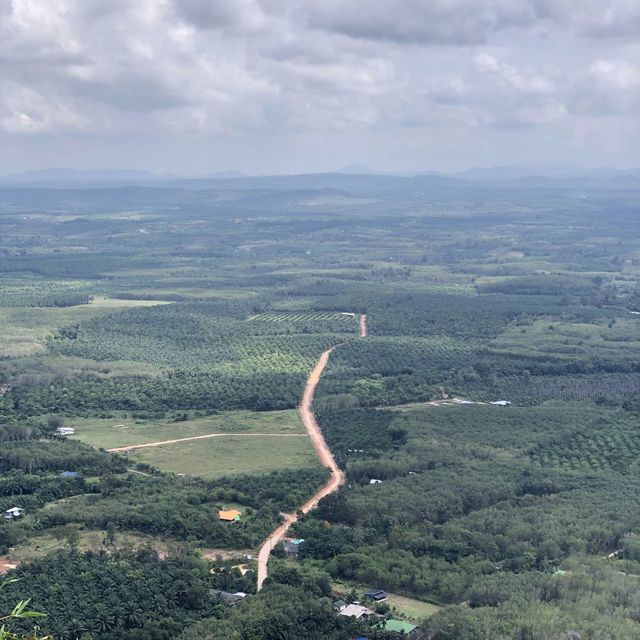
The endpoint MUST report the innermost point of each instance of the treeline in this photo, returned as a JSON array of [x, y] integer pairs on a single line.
[[153, 396], [36, 456]]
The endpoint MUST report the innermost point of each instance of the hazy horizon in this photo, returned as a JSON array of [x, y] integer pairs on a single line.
[[193, 87]]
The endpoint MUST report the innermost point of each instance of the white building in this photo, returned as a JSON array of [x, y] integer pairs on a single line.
[[13, 513], [356, 611], [65, 431]]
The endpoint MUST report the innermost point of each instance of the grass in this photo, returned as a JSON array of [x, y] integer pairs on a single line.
[[42, 545], [116, 432], [409, 608], [230, 455]]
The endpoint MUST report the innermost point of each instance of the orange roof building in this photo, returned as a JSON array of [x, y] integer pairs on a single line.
[[229, 516]]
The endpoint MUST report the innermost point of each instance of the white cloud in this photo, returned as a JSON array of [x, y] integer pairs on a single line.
[[525, 83]]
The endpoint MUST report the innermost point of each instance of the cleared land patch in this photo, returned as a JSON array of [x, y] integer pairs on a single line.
[[42, 545], [230, 455], [115, 432]]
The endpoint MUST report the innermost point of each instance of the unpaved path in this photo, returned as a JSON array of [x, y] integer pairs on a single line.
[[337, 478], [207, 435], [363, 325]]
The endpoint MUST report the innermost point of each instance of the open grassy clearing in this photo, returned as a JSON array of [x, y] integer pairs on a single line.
[[103, 302], [116, 432], [230, 455]]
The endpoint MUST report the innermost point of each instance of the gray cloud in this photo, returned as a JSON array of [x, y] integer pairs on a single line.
[[315, 75], [437, 22], [245, 15]]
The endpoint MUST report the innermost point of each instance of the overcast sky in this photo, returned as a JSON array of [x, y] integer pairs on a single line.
[[269, 86]]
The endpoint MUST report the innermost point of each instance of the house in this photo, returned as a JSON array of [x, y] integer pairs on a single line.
[[356, 611], [500, 403], [376, 594], [65, 431], [399, 626], [13, 513], [69, 474], [339, 605], [226, 597], [375, 481], [292, 547], [233, 515]]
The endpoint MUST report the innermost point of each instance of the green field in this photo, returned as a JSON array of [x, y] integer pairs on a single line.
[[111, 433], [230, 455]]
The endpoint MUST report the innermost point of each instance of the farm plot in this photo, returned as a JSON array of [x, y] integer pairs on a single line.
[[112, 433], [231, 455], [306, 322]]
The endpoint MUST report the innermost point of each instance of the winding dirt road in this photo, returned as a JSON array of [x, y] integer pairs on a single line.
[[337, 478]]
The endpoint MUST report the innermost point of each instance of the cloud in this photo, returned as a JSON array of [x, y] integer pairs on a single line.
[[240, 15], [529, 84], [593, 18], [437, 22], [321, 70]]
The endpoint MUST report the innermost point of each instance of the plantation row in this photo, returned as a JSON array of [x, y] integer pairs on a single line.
[[611, 448], [205, 339], [155, 396], [304, 317], [604, 388], [385, 371]]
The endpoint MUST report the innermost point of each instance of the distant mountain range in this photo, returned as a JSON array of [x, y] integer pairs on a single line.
[[352, 178], [97, 176]]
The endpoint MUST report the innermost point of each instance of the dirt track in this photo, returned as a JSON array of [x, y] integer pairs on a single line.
[[363, 325], [337, 478], [208, 435]]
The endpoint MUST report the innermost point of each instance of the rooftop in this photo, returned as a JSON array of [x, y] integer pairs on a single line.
[[399, 626], [228, 516]]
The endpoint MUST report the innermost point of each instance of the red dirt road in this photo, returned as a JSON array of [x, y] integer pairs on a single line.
[[337, 478], [363, 325], [326, 458]]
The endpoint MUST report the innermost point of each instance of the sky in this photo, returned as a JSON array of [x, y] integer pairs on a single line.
[[293, 86]]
